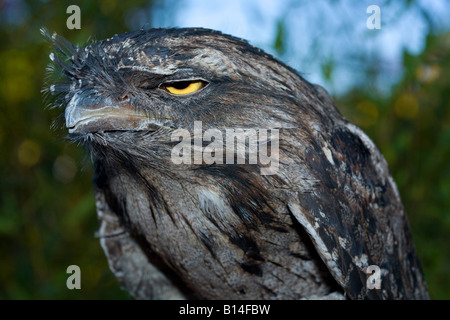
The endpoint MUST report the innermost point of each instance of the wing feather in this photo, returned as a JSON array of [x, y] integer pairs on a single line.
[[355, 217]]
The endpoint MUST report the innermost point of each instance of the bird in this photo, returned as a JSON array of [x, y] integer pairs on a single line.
[[189, 208]]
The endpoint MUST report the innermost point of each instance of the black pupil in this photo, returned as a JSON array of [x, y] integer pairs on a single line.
[[180, 85]]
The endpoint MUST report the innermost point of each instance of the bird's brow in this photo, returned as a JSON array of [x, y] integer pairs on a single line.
[[154, 70]]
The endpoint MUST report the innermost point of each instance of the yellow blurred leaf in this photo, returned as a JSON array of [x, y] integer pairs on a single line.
[[406, 106], [29, 153], [368, 114]]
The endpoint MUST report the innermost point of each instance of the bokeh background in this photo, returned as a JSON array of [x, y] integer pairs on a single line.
[[393, 82]]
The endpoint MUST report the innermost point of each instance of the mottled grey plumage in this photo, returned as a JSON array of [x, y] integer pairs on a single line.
[[225, 231]]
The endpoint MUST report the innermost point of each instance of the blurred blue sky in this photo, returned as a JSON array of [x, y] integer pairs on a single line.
[[321, 34], [317, 32]]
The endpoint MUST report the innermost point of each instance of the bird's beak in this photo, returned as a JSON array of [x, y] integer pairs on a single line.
[[85, 116]]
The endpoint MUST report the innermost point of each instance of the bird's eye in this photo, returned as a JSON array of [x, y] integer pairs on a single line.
[[184, 87]]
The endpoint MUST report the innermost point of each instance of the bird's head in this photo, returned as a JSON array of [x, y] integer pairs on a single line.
[[126, 95], [168, 78]]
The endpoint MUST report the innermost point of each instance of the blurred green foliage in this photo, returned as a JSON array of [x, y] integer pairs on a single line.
[[47, 210]]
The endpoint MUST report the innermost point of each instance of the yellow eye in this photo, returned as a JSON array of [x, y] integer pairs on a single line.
[[184, 87]]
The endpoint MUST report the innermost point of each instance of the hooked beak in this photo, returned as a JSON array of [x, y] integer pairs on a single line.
[[86, 116]]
